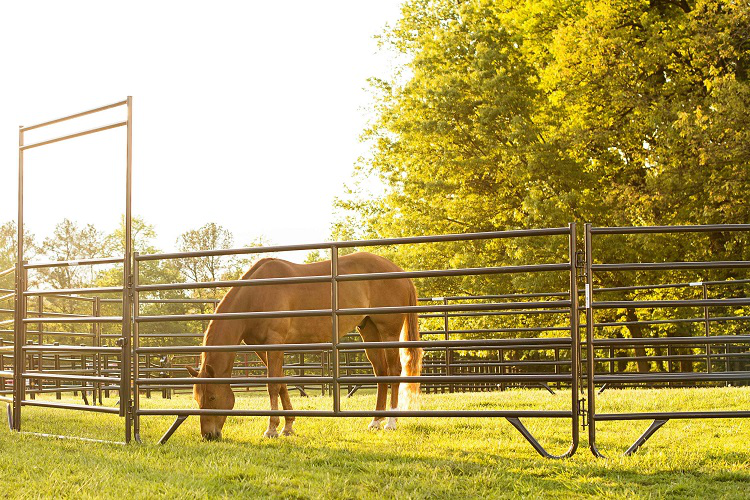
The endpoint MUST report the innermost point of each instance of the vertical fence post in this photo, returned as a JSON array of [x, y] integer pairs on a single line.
[[19, 332], [335, 327], [98, 343], [575, 337], [590, 364], [136, 344], [127, 289], [707, 328], [19, 386]]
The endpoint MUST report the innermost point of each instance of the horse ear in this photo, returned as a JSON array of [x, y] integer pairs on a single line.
[[192, 371], [210, 370]]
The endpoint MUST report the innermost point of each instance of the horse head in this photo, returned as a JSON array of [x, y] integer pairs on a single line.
[[211, 397]]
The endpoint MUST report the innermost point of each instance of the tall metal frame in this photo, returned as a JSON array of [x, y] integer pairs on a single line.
[[20, 375]]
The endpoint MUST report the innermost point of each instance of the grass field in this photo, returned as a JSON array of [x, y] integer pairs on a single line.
[[424, 458]]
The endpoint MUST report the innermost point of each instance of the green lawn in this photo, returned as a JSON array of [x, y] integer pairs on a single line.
[[435, 458]]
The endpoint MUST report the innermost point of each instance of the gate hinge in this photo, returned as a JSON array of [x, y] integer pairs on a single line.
[[121, 342], [580, 259], [582, 412], [130, 286]]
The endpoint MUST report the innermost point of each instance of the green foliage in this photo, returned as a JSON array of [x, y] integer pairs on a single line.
[[529, 114]]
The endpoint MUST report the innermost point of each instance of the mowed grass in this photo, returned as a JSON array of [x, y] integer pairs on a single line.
[[424, 458]]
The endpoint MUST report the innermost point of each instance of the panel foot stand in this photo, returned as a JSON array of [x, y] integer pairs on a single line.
[[655, 426], [545, 386], [354, 389], [178, 422], [515, 422]]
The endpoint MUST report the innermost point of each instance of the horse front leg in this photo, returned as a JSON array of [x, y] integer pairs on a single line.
[[275, 369], [394, 370], [286, 403]]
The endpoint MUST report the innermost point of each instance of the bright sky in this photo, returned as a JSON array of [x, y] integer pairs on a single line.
[[246, 114]]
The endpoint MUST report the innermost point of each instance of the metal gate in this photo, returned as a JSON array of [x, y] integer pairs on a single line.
[[595, 346], [78, 367]]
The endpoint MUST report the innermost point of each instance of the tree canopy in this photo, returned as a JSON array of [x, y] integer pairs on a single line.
[[536, 113]]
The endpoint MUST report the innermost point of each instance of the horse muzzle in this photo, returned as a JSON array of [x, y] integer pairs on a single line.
[[212, 436]]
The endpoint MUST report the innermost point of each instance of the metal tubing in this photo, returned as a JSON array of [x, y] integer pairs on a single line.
[[651, 304], [72, 136], [335, 328], [127, 283], [64, 406], [81, 319], [469, 377], [490, 235], [671, 415], [233, 283], [590, 365], [61, 292], [674, 321], [178, 422], [19, 336], [575, 338], [671, 229], [541, 343], [671, 266], [73, 377], [70, 348], [671, 377], [655, 426], [77, 115], [136, 343], [363, 413], [73, 263], [354, 311], [718, 339], [454, 272], [515, 422]]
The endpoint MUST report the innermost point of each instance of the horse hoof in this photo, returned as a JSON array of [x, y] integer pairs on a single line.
[[374, 426], [270, 434], [391, 425], [289, 432]]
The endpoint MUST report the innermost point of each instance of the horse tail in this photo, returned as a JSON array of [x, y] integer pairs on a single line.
[[411, 357]]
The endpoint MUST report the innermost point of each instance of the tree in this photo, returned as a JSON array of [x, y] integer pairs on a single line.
[[533, 114], [72, 242]]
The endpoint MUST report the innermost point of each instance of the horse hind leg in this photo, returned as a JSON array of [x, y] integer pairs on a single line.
[[369, 333], [275, 369], [379, 366]]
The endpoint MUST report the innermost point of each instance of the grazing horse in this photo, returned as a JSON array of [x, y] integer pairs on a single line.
[[302, 330]]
